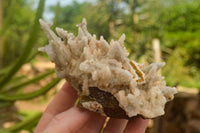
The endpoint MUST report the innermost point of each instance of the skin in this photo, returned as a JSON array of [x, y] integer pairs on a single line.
[[62, 117]]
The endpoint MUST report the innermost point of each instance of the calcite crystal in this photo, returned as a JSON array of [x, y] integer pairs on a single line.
[[105, 79]]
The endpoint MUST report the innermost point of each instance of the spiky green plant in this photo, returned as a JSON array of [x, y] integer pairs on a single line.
[[9, 93]]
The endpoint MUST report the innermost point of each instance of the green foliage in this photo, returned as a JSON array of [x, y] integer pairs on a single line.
[[27, 50], [18, 23], [21, 31], [28, 124], [76, 12], [19, 85], [181, 24], [30, 95]]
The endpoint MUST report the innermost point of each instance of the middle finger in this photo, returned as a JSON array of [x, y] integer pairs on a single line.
[[94, 124]]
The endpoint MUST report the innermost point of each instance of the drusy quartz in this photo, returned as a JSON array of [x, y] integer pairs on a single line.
[[107, 82]]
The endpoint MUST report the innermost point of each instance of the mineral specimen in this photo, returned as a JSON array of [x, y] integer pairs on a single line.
[[105, 79]]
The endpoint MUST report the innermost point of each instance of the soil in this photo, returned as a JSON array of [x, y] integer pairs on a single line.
[[182, 115]]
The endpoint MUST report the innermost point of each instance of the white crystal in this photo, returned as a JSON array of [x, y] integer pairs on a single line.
[[88, 62]]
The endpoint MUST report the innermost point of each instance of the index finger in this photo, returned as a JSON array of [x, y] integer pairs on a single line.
[[136, 125], [65, 99]]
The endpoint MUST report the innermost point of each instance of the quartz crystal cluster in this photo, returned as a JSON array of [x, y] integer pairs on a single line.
[[105, 79]]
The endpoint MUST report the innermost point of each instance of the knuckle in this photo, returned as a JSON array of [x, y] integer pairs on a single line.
[[56, 119]]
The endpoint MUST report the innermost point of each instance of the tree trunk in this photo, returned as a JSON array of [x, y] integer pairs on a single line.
[[1, 13], [157, 58], [156, 49], [1, 24], [111, 28]]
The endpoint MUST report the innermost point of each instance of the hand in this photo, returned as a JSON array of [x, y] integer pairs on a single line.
[[62, 117]]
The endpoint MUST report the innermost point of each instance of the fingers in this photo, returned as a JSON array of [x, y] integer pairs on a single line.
[[56, 119], [65, 99], [70, 121], [115, 125], [136, 125], [94, 124]]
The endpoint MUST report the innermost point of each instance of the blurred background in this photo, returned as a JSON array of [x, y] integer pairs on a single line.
[[156, 31]]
